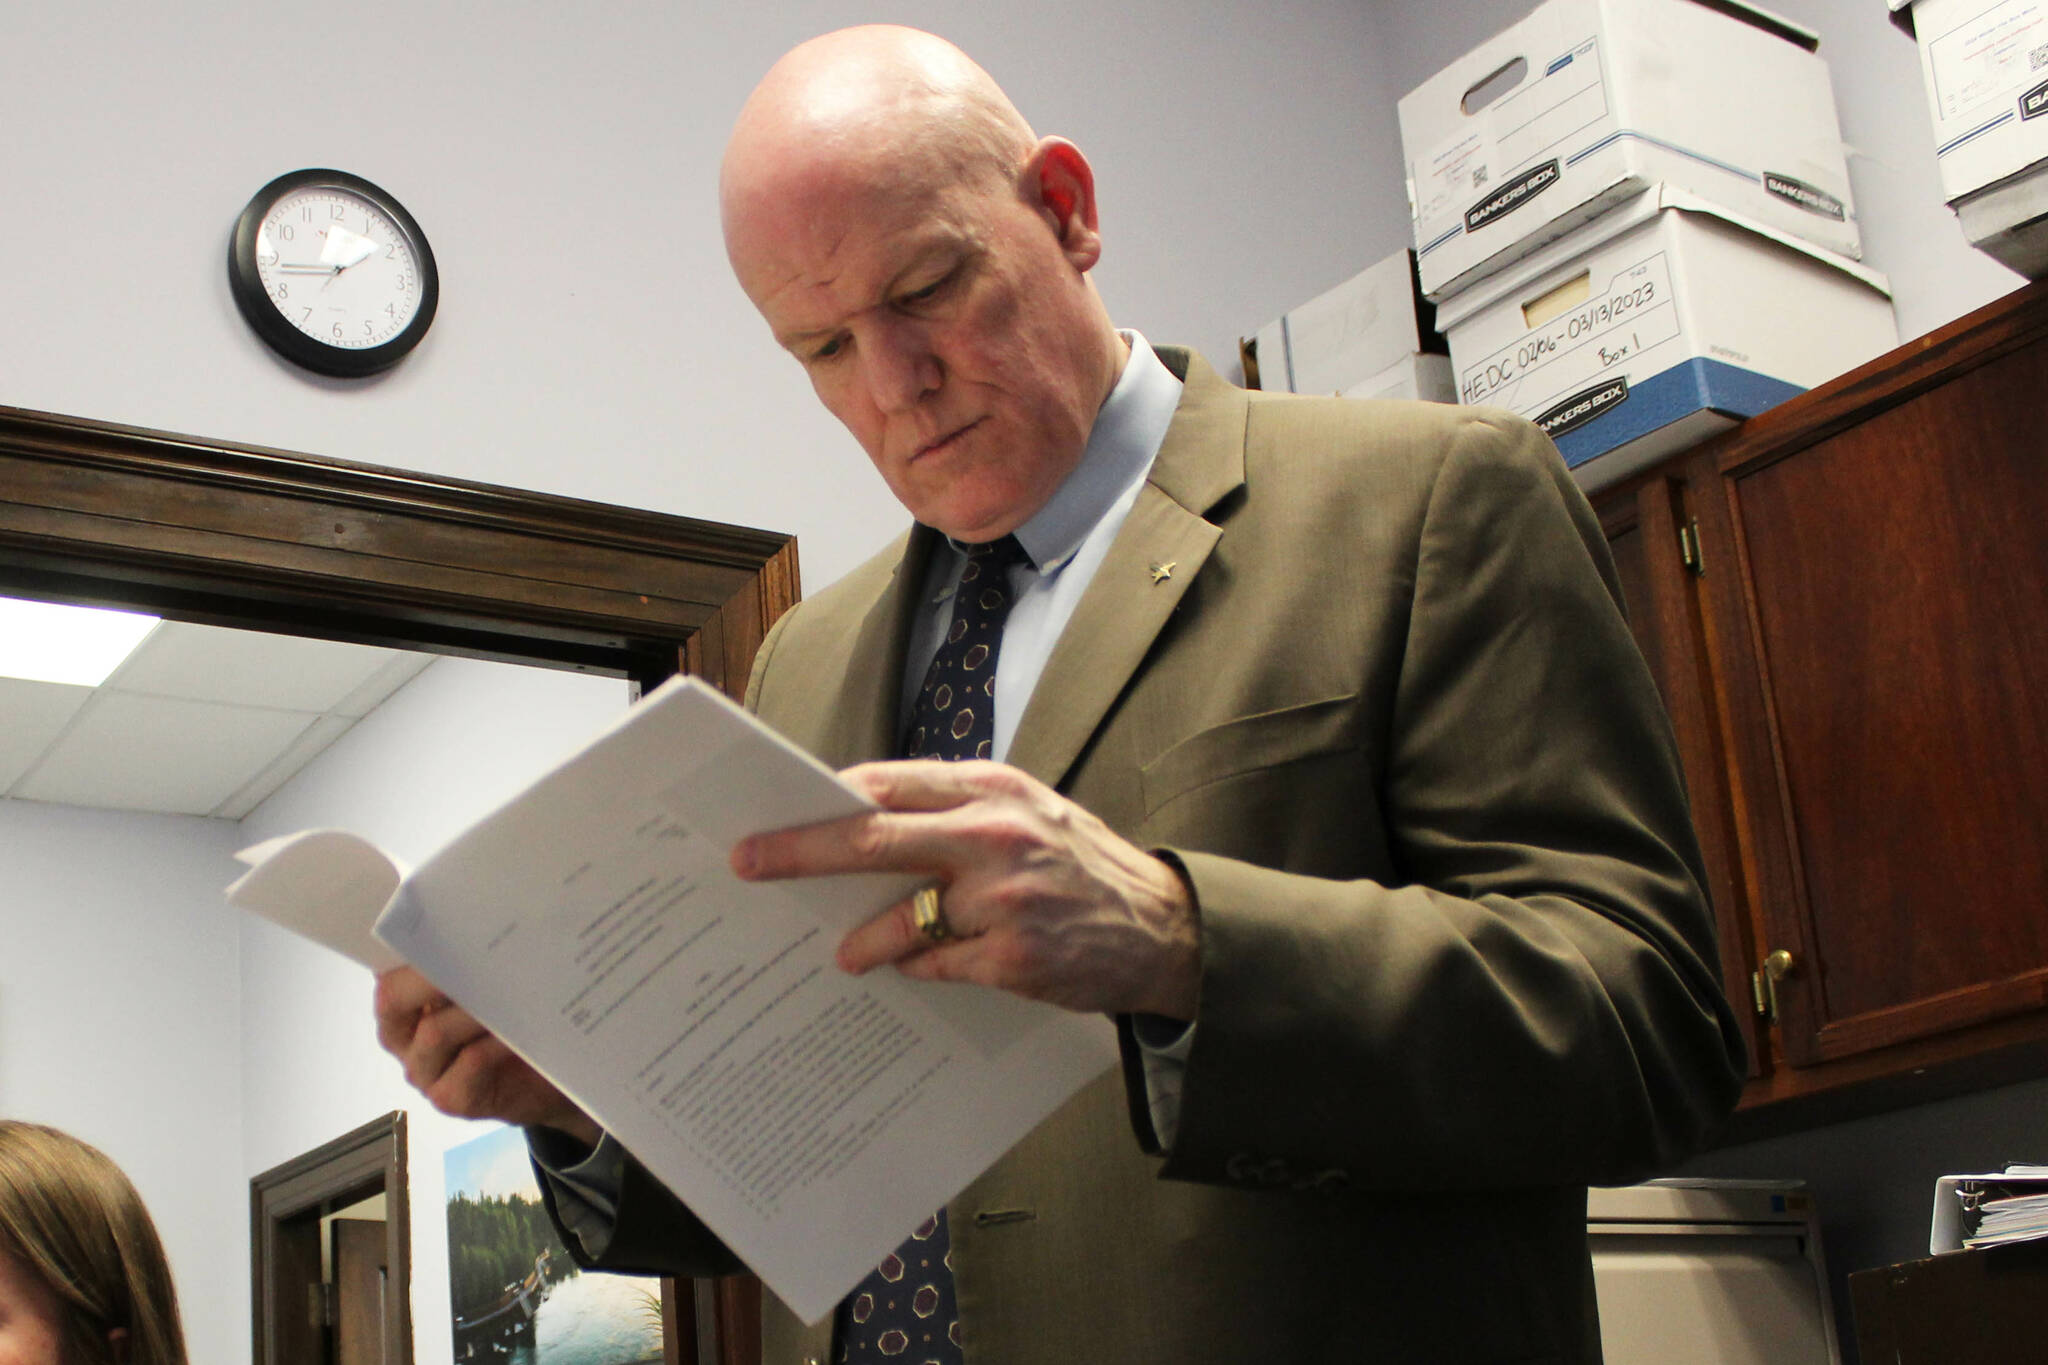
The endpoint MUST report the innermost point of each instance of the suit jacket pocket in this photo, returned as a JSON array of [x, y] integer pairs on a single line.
[[1247, 744]]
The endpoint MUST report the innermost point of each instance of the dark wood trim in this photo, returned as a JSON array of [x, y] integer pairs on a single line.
[[286, 1204], [257, 538]]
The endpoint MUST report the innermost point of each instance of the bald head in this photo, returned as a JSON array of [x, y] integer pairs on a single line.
[[896, 100], [926, 257]]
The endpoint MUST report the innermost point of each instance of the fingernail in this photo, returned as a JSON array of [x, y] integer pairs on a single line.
[[744, 858]]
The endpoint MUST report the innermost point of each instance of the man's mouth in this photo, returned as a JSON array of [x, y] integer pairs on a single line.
[[945, 442]]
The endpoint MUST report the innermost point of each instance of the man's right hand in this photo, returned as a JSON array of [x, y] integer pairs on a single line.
[[461, 1067]]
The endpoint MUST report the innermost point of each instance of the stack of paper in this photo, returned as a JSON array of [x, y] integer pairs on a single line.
[[1986, 1210], [811, 1118]]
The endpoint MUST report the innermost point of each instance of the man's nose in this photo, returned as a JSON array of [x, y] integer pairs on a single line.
[[901, 366]]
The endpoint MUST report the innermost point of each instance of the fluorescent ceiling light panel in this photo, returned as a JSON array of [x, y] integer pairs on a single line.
[[43, 642]]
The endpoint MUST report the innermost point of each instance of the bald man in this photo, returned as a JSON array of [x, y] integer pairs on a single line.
[[1322, 760]]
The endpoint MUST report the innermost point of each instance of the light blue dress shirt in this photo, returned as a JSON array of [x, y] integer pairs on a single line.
[[1066, 540]]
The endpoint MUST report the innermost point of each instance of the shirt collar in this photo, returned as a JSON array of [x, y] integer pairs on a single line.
[[1128, 431]]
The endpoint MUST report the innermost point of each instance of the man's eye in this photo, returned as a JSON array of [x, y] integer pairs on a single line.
[[829, 349], [930, 291]]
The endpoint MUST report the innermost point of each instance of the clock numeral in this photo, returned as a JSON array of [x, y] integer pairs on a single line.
[[285, 231], [391, 251], [306, 214], [337, 331], [284, 291], [390, 311], [337, 212], [368, 327], [305, 317]]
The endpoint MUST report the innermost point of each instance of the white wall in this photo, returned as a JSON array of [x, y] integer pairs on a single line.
[[562, 160], [119, 1023]]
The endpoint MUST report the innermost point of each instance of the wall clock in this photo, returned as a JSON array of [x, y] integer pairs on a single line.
[[333, 273]]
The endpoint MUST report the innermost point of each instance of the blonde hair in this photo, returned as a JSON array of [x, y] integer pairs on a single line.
[[72, 1219]]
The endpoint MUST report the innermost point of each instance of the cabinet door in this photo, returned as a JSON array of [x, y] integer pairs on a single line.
[[1876, 599], [1658, 574]]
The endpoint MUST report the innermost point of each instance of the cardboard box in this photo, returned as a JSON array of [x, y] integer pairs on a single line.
[[1349, 336], [1425, 377], [1985, 66], [1585, 103], [1658, 325]]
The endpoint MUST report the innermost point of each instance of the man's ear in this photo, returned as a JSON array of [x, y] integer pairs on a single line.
[[1060, 184]]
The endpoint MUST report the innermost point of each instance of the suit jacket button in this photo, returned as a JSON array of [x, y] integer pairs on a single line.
[[1274, 1172], [1241, 1167]]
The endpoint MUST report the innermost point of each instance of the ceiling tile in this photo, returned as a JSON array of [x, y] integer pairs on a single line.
[[249, 668], [161, 754], [35, 714], [312, 741]]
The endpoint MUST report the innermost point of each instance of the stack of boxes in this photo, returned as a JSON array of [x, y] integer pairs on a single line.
[[1985, 65], [1634, 219]]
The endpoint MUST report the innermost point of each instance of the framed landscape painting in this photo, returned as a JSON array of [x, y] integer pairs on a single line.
[[516, 1296]]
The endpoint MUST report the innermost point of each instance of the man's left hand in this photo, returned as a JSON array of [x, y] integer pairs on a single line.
[[1040, 897]]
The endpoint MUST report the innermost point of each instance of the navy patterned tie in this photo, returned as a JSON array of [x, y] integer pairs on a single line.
[[905, 1308]]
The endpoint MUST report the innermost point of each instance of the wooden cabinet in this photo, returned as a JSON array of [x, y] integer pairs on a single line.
[[1845, 602]]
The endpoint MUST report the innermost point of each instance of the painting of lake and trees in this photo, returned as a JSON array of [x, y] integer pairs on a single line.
[[517, 1297]]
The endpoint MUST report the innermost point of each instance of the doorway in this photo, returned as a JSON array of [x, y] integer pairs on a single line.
[[331, 1286]]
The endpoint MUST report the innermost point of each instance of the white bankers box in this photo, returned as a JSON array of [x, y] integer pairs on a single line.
[[1369, 337], [1985, 66], [1657, 325], [1586, 102]]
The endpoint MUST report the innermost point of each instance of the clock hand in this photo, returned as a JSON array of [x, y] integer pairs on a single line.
[[344, 249]]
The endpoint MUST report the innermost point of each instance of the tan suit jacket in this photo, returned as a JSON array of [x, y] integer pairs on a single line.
[[1386, 715]]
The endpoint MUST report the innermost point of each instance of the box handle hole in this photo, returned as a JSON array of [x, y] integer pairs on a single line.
[[1494, 86]]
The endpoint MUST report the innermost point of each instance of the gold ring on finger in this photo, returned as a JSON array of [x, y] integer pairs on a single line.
[[930, 920]]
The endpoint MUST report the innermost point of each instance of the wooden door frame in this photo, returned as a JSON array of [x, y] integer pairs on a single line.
[[255, 538], [287, 1202]]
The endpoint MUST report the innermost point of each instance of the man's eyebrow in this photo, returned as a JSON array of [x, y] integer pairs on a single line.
[[946, 259]]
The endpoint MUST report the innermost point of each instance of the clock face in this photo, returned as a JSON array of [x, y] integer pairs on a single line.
[[337, 268], [332, 273]]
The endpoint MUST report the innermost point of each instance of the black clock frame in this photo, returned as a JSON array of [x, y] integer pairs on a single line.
[[276, 331]]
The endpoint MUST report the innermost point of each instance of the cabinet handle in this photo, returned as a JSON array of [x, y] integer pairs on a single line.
[[1778, 965]]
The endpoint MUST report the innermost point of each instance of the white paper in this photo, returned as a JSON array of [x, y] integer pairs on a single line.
[[810, 1118], [326, 884]]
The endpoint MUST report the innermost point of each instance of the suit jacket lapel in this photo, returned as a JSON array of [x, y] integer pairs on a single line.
[[864, 725], [1156, 556]]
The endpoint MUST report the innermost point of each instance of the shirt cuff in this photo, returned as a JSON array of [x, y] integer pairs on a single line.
[[1163, 1047], [585, 1184]]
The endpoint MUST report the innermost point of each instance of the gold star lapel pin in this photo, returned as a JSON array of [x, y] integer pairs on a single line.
[[1162, 572]]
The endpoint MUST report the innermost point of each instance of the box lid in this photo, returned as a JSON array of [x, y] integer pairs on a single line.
[[1631, 214], [1770, 21]]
